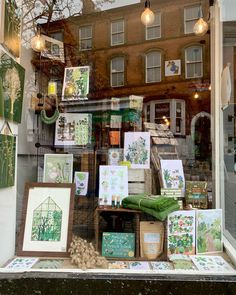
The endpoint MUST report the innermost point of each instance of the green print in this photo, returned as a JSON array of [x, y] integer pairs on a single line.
[[7, 160], [173, 180], [137, 152], [12, 77], [209, 231], [47, 222]]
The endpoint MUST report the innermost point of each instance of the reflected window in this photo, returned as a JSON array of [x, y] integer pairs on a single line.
[[85, 38], [117, 32], [153, 31], [153, 67], [191, 15], [193, 62], [117, 71]]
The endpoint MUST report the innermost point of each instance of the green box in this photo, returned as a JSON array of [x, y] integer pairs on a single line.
[[121, 245]]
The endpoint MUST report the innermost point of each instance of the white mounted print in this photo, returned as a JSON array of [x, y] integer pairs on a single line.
[[115, 156], [113, 181], [209, 231], [137, 149], [172, 67], [172, 174]]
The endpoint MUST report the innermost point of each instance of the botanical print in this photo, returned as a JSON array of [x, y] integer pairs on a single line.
[[76, 83], [58, 168], [172, 67], [54, 49], [115, 156], [10, 26], [181, 232], [161, 265], [49, 264], [7, 160], [113, 181], [137, 149], [73, 129], [114, 137], [182, 262], [209, 231], [139, 265], [22, 263], [211, 263], [12, 76], [136, 102], [116, 121], [47, 219], [172, 174], [81, 183]]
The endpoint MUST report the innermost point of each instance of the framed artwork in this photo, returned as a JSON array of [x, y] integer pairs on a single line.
[[54, 49], [47, 220], [7, 162], [113, 181], [209, 231], [76, 83], [196, 194], [73, 129], [115, 156], [173, 67], [10, 26], [58, 168], [137, 149], [172, 174], [81, 183], [116, 121], [12, 79], [181, 232], [211, 263]]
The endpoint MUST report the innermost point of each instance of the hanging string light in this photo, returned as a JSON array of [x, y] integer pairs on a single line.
[[147, 17], [201, 26], [38, 42]]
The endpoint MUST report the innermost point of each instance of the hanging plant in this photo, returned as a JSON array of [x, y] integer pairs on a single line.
[[53, 118]]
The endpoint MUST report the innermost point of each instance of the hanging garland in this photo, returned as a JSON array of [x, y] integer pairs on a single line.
[[53, 118]]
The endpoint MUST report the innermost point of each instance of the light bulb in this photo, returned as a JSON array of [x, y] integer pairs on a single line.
[[38, 43], [209, 88], [147, 17], [201, 27], [196, 95]]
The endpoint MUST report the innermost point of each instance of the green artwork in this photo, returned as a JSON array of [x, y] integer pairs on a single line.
[[76, 83], [12, 76], [209, 231], [7, 160], [47, 222], [120, 245], [12, 23], [58, 168], [49, 264]]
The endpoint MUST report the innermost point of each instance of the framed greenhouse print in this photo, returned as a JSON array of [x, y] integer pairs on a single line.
[[10, 26], [58, 168], [12, 78], [76, 83], [47, 220]]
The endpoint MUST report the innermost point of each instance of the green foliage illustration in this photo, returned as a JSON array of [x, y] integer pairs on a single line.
[[47, 222]]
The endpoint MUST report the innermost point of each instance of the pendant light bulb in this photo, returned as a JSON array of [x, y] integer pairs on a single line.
[[38, 42], [147, 17], [201, 27], [196, 95]]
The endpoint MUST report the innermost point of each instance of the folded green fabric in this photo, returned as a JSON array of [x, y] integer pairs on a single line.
[[159, 207]]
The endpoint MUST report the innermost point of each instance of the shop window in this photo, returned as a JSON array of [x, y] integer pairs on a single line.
[[153, 67], [191, 15], [170, 112], [85, 38], [193, 62], [153, 31], [117, 71], [117, 32]]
